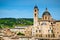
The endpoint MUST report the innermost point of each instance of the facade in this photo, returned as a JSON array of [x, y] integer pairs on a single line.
[[45, 28]]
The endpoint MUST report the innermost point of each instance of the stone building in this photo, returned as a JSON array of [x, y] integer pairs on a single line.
[[46, 27]]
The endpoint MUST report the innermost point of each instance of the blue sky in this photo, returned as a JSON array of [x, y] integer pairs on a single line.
[[24, 8]]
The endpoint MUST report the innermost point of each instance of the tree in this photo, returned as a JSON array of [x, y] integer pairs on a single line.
[[19, 33]]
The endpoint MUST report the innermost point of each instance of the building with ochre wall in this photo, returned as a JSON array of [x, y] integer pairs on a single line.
[[45, 27]]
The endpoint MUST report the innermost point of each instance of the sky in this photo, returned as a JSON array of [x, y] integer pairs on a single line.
[[25, 8]]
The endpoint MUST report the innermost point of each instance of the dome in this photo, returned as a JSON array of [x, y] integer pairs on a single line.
[[35, 6], [46, 13]]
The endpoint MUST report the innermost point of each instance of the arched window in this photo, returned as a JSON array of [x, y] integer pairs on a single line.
[[59, 35], [45, 17], [35, 14], [35, 10]]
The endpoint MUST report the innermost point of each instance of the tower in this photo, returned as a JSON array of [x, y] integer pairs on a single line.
[[35, 20], [36, 15]]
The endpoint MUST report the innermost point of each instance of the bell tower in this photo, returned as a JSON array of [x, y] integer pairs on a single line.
[[36, 15]]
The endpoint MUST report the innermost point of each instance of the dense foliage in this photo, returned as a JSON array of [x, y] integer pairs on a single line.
[[19, 33], [12, 22]]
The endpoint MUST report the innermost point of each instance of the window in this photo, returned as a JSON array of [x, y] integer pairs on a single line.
[[57, 32], [36, 35], [48, 18], [40, 35], [39, 30], [50, 31], [45, 17], [51, 23], [50, 27], [35, 14], [48, 35], [59, 35], [53, 35], [35, 10], [36, 31], [54, 22]]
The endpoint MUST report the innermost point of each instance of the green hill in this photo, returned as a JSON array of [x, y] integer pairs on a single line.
[[12, 22]]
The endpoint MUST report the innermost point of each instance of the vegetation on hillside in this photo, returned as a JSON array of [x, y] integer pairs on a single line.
[[19, 33], [12, 22]]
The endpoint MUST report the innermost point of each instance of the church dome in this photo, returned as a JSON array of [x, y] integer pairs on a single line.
[[35, 6], [46, 13]]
